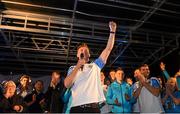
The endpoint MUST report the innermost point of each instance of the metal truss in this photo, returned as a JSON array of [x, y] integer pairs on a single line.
[[13, 51], [149, 13], [41, 42], [144, 52]]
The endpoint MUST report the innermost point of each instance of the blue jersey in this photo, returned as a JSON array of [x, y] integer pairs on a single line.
[[170, 106]]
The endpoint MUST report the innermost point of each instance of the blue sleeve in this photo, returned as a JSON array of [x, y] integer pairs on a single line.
[[155, 83], [67, 95], [99, 63], [135, 86], [177, 94], [166, 74], [109, 96], [132, 100]]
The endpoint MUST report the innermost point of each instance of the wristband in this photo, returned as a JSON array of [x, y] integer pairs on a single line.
[[112, 32]]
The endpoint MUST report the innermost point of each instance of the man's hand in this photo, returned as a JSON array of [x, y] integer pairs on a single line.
[[70, 79], [136, 73], [18, 108], [140, 77], [112, 26], [33, 98], [162, 66], [42, 102], [177, 74], [80, 63], [127, 97], [117, 102]]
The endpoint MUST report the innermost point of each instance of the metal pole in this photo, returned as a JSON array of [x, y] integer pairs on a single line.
[[71, 31]]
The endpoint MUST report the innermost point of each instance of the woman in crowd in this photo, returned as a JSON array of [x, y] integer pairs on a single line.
[[24, 88], [171, 99], [10, 102]]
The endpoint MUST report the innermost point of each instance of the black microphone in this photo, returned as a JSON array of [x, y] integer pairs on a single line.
[[82, 57]]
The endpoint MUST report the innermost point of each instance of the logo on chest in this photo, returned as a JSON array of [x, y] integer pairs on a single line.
[[88, 67]]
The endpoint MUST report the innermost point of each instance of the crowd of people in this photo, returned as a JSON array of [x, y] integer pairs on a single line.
[[147, 94], [86, 89], [23, 96]]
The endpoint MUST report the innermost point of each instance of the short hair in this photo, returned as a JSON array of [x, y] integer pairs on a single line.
[[128, 77], [39, 81], [112, 70], [5, 85], [82, 45], [119, 68], [56, 71], [171, 78], [144, 65], [25, 76]]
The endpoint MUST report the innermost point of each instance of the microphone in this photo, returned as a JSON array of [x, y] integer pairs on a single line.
[[82, 57]]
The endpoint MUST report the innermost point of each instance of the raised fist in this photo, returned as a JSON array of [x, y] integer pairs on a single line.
[[162, 66], [112, 26]]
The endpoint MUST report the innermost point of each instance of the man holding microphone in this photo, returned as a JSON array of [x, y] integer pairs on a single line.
[[84, 78]]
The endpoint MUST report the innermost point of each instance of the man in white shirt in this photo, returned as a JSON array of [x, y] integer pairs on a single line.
[[84, 78], [147, 92]]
